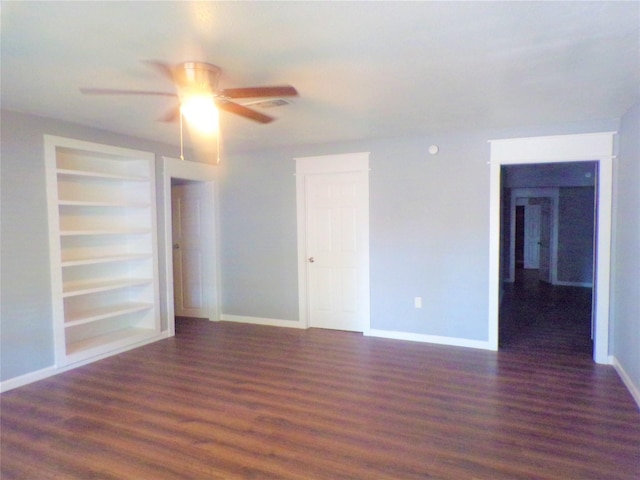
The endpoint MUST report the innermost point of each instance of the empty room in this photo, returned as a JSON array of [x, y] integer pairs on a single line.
[[320, 240]]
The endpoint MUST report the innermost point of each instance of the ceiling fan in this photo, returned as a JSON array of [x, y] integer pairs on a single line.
[[199, 98]]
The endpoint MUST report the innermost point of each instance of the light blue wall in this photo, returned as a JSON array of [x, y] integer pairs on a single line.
[[626, 248], [258, 236], [423, 233], [26, 330], [429, 236], [429, 232], [575, 234]]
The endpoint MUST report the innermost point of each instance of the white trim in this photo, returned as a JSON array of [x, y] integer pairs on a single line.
[[189, 170], [30, 377], [272, 322], [602, 268], [626, 379], [327, 164], [563, 283], [553, 148], [495, 287], [96, 147], [197, 172], [550, 192], [435, 339], [55, 267], [343, 162], [47, 372], [562, 148]]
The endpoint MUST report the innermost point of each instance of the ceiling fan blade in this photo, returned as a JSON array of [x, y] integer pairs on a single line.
[[164, 68], [244, 111], [172, 115], [116, 91], [269, 91]]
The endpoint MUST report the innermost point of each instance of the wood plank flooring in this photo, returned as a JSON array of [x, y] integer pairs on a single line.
[[234, 401], [536, 317]]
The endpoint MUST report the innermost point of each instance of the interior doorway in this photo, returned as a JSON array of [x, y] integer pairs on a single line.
[[191, 235], [530, 216], [596, 147], [550, 222], [190, 285]]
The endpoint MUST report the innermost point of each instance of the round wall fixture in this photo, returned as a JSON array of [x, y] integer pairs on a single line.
[[433, 149]]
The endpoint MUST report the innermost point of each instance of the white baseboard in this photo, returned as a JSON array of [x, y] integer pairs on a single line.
[[28, 378], [563, 283], [437, 339], [271, 322], [416, 337], [626, 379], [47, 372]]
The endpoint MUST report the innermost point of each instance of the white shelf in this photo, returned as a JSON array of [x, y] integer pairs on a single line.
[[82, 318], [103, 245], [123, 231], [104, 259], [110, 340], [105, 176], [82, 203], [83, 288]]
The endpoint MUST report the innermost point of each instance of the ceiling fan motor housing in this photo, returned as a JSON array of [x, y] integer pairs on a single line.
[[198, 77]]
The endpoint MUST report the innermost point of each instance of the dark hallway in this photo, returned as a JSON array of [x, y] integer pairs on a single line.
[[536, 317]]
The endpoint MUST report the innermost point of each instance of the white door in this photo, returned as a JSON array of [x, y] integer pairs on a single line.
[[531, 236], [544, 273], [189, 223], [336, 235]]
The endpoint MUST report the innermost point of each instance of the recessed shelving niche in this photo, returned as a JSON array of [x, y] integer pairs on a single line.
[[103, 244]]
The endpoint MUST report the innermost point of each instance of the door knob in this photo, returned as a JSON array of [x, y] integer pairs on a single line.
[[176, 246], [311, 259]]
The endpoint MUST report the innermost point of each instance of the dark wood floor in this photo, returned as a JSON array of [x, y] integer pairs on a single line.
[[538, 318], [234, 401]]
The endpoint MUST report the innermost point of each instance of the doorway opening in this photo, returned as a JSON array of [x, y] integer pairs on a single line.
[[549, 217], [560, 149], [190, 263], [190, 238]]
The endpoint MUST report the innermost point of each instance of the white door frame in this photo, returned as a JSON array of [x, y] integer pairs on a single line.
[[327, 164], [533, 192], [561, 148], [174, 168]]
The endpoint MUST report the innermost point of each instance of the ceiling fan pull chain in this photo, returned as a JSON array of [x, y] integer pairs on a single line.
[[218, 145], [181, 141]]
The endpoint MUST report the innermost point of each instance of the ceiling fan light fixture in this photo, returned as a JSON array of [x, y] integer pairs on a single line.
[[201, 112], [200, 99]]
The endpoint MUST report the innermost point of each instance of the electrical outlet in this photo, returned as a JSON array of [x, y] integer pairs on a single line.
[[417, 302]]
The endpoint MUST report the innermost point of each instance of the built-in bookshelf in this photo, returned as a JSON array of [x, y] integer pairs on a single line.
[[103, 243]]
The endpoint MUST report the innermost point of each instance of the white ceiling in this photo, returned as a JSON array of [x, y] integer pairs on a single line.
[[363, 69]]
